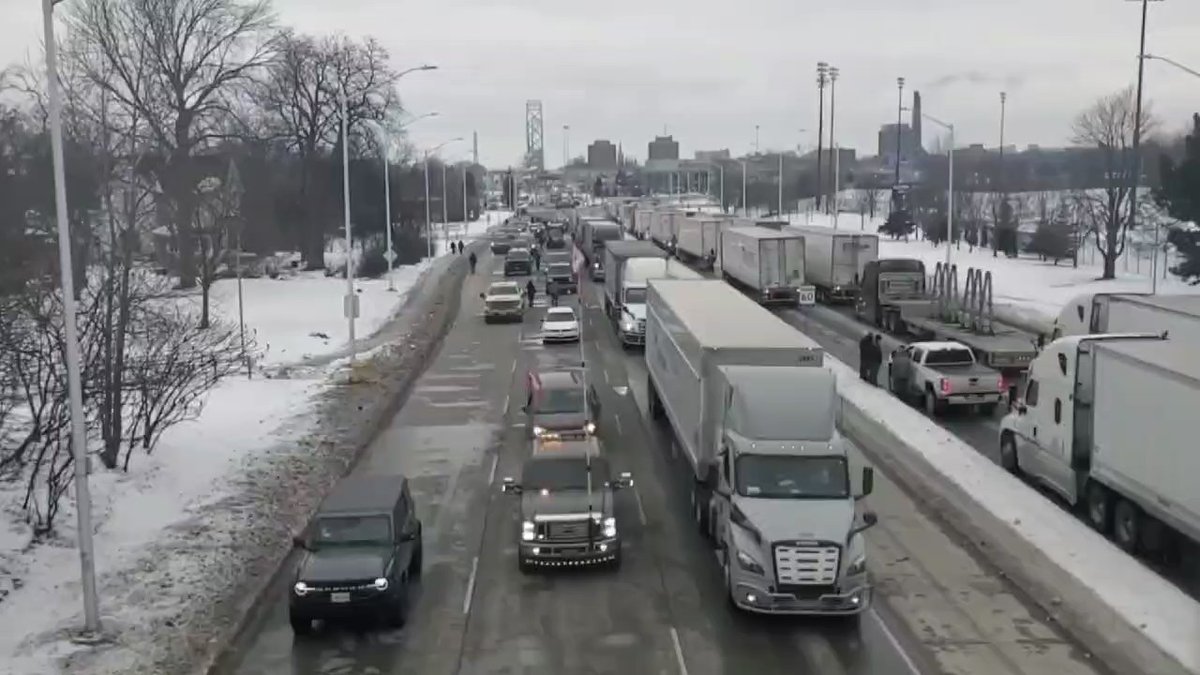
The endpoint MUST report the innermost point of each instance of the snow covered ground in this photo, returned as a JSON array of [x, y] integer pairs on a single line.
[[162, 500], [1161, 611]]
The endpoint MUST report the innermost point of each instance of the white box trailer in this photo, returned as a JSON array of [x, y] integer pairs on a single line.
[[641, 221], [636, 275], [768, 263], [664, 228], [700, 237], [692, 328], [1146, 394], [1099, 313], [834, 261], [617, 255]]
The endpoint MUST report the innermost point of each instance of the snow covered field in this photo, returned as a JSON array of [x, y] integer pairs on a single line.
[[161, 502], [1149, 603]]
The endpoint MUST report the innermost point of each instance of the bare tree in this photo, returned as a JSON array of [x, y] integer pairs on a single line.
[[179, 66], [300, 100], [1108, 125]]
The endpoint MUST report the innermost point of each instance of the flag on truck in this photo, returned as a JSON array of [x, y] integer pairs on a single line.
[[578, 262]]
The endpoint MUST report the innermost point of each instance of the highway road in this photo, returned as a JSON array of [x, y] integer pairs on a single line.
[[939, 609]]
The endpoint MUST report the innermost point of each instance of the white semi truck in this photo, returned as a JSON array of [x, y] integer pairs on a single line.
[[1097, 313], [768, 263], [1108, 423], [834, 261], [700, 239], [754, 412]]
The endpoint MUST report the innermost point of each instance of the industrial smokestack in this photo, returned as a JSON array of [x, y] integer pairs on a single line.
[[918, 147]]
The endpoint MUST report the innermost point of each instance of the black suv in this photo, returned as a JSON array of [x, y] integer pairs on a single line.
[[360, 554], [518, 262]]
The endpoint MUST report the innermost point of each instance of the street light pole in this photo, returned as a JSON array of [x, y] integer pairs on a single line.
[[566, 145], [822, 80], [1137, 138], [899, 130], [1177, 64], [722, 167], [385, 143], [756, 150], [745, 203], [779, 208], [466, 218], [445, 206], [83, 498], [833, 76], [350, 305], [428, 221]]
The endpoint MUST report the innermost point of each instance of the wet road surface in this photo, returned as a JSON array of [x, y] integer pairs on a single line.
[[664, 610]]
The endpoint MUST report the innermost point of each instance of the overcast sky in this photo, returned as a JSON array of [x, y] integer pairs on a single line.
[[708, 71]]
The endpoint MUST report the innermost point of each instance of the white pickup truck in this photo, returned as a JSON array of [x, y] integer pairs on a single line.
[[943, 375]]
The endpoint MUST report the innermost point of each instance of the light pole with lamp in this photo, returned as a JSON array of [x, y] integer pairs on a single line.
[[950, 189], [745, 204], [566, 145], [822, 80], [385, 141], [899, 130], [1177, 64], [350, 301], [833, 165], [428, 212], [1136, 174], [83, 499]]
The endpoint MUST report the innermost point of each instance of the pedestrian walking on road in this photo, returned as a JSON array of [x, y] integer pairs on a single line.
[[864, 356], [472, 260], [552, 291], [460, 247], [537, 259], [530, 292], [876, 358]]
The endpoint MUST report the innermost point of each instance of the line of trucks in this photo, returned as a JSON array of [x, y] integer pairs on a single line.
[[1101, 420]]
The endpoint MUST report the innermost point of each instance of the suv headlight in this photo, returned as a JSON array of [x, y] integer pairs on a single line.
[[749, 564], [381, 584], [610, 527], [527, 531], [857, 566], [301, 588]]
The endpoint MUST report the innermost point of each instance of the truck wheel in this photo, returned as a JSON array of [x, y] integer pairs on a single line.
[[1008, 455], [700, 510], [300, 625], [932, 408], [397, 614], [1127, 525], [524, 566], [655, 404], [1099, 507]]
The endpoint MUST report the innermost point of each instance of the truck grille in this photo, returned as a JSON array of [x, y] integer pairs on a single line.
[[504, 304], [641, 326], [569, 530], [808, 564]]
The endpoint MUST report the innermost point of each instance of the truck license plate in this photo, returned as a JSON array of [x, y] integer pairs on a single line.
[[807, 295], [339, 598]]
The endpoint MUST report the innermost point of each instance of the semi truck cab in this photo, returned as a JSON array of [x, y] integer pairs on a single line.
[[782, 511]]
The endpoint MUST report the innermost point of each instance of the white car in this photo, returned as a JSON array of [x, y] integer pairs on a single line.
[[560, 325]]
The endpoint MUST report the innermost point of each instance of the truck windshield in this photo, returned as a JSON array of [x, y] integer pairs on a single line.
[[792, 477], [560, 401], [559, 270], [949, 357], [557, 475], [352, 531], [635, 296]]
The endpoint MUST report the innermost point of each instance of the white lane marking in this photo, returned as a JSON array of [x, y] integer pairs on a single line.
[[505, 408], [492, 473], [637, 498], [513, 370], [605, 373], [895, 642], [678, 652], [470, 585], [617, 419]]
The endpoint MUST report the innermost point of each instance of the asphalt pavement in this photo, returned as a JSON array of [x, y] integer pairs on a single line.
[[940, 610]]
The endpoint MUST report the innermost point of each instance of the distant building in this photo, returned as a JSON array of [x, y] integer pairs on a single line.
[[602, 155], [712, 155], [887, 143], [663, 147]]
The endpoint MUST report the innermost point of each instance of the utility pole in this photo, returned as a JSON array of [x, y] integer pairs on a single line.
[[390, 253], [1137, 140], [445, 206], [722, 166], [833, 76], [822, 79], [745, 203], [1001, 186], [428, 214], [350, 305], [779, 209], [566, 145], [83, 498], [756, 150], [466, 216], [899, 129]]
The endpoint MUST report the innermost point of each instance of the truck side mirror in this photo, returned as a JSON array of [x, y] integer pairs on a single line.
[[625, 481], [299, 542], [868, 481], [482, 296], [869, 519]]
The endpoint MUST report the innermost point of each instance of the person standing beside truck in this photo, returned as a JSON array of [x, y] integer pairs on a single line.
[[864, 356], [530, 292], [472, 260], [876, 358]]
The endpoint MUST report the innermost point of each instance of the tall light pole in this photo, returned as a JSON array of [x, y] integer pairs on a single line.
[[950, 188], [756, 150], [899, 129], [833, 76], [350, 302], [745, 203], [1000, 182], [822, 80], [1136, 174], [385, 142], [445, 206], [722, 167], [566, 145], [83, 498], [466, 217], [428, 211], [779, 208]]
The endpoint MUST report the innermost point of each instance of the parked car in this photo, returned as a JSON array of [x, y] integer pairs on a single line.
[[942, 375]]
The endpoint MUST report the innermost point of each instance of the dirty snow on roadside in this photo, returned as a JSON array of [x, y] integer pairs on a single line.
[[158, 533], [1164, 613]]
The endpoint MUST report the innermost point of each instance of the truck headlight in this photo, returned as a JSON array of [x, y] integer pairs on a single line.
[[527, 533], [749, 564], [300, 589], [610, 527], [627, 326], [539, 431], [590, 427], [381, 584], [857, 566]]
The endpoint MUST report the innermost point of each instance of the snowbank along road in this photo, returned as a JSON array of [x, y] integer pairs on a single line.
[[938, 609]]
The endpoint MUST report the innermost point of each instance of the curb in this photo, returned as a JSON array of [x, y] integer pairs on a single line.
[[445, 296], [1119, 646]]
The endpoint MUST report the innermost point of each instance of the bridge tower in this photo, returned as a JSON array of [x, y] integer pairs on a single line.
[[535, 156]]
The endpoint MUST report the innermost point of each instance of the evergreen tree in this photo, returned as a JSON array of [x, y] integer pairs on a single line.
[[1051, 240], [899, 224], [1180, 196]]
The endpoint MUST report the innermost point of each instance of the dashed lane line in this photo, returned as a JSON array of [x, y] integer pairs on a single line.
[[678, 652], [470, 586]]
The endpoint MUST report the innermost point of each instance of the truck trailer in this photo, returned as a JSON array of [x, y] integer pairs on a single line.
[[616, 255], [1098, 313], [699, 239], [1107, 422], [754, 412], [834, 261], [630, 320], [767, 263]]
